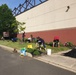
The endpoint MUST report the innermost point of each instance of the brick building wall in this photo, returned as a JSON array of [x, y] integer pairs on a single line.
[[51, 18]]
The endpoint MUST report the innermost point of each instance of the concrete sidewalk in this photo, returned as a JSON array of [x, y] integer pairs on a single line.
[[58, 60]]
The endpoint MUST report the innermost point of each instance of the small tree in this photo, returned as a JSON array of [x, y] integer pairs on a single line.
[[18, 26], [8, 22]]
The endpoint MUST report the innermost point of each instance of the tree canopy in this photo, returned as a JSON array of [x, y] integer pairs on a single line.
[[8, 22]]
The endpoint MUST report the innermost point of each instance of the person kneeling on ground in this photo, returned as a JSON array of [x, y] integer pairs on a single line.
[[56, 41], [30, 39], [40, 43]]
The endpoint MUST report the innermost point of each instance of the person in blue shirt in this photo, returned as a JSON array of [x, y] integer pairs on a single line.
[[14, 39], [40, 42]]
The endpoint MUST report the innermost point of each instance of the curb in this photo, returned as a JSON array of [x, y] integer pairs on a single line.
[[12, 49]]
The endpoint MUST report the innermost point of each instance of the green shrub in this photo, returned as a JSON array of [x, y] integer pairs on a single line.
[[69, 44], [34, 52], [30, 50], [26, 39], [61, 45], [51, 43]]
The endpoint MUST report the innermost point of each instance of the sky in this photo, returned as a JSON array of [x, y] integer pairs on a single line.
[[15, 3], [11, 3]]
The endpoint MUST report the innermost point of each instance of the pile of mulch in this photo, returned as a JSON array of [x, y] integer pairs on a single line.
[[71, 53]]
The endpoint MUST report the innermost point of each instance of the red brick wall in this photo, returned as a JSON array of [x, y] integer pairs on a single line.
[[65, 35]]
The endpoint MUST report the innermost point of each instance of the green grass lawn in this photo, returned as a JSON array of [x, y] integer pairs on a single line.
[[18, 45]]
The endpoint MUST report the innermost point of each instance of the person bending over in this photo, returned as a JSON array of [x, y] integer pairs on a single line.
[[40, 43]]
